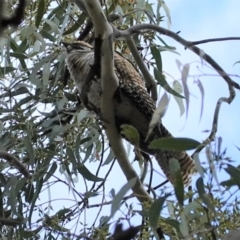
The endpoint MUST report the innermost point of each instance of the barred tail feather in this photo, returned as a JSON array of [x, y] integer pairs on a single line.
[[186, 164]]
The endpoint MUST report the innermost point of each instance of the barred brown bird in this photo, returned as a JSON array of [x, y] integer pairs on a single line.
[[135, 107]]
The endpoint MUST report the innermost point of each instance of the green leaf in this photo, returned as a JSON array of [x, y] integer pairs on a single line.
[[40, 12], [185, 71], [162, 81], [201, 89], [48, 36], [172, 222], [228, 183], [61, 213], [70, 96], [29, 234], [154, 211], [157, 56], [76, 25], [203, 195], [131, 134], [176, 175], [178, 88], [29, 193], [6, 70], [90, 194], [119, 196], [87, 174], [18, 55], [29, 148], [234, 173], [109, 158], [183, 227], [167, 11], [35, 197], [198, 164], [23, 46], [51, 171], [200, 186], [174, 144], [158, 114]]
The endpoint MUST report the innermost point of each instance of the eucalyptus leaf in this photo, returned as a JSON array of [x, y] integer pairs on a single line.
[[162, 81], [119, 196], [174, 144], [87, 174], [40, 12], [154, 211]]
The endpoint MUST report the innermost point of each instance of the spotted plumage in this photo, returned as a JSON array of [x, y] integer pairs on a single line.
[[135, 106]]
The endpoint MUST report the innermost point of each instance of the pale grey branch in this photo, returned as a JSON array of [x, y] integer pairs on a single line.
[[104, 31]]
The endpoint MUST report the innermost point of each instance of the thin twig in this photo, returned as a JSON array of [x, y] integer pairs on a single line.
[[213, 40], [187, 44], [109, 202]]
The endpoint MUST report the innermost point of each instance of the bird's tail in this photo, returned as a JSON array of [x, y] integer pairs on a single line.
[[186, 164]]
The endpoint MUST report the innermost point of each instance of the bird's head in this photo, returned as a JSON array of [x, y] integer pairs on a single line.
[[79, 46]]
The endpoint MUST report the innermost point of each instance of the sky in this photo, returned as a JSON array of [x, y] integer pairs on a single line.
[[203, 20], [196, 20]]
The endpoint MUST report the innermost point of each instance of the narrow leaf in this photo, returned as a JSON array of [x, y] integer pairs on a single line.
[[130, 133], [200, 86], [6, 70], [18, 55], [176, 176], [175, 144], [40, 12], [157, 56], [178, 88], [162, 81], [154, 211], [119, 196], [185, 72], [158, 114], [76, 25], [200, 186], [234, 173], [87, 174], [203, 195], [211, 163], [172, 222], [51, 171], [198, 164], [167, 11], [183, 227]]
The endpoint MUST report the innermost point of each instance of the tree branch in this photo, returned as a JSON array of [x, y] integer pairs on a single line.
[[213, 40], [185, 43], [203, 55], [150, 83], [104, 31], [15, 162]]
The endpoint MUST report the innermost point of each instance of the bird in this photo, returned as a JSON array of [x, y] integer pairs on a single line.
[[135, 106]]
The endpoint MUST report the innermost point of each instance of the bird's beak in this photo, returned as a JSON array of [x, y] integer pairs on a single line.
[[65, 44]]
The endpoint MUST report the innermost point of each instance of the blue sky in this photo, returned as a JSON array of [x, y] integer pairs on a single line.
[[196, 19], [201, 20]]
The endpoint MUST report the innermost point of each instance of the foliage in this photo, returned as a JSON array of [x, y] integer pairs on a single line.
[[57, 142]]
